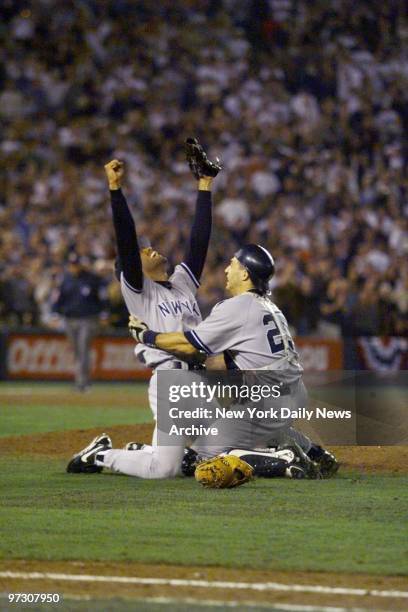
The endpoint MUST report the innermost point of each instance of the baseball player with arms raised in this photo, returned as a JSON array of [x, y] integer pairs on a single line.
[[253, 335], [166, 303]]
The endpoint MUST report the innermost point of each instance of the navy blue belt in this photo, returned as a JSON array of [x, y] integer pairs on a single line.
[[179, 365]]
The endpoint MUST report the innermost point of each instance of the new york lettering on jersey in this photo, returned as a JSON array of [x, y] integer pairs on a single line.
[[170, 307], [178, 307]]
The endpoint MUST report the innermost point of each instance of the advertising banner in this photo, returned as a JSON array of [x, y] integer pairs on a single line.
[[50, 357], [320, 355]]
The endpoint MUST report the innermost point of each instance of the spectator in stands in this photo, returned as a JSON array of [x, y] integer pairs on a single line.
[[304, 102]]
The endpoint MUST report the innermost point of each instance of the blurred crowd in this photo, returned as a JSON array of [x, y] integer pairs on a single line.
[[304, 102]]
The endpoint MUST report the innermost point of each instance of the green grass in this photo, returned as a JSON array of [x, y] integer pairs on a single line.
[[30, 408], [353, 523]]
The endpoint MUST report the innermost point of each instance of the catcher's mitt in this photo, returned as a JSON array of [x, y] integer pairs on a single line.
[[223, 472], [198, 161]]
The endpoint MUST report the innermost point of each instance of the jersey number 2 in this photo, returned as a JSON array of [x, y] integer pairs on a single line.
[[276, 345]]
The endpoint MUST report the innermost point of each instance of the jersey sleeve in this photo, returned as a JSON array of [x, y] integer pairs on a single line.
[[197, 247], [184, 278], [221, 330], [137, 300], [129, 262]]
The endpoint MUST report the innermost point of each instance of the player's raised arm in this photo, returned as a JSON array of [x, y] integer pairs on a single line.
[[204, 171], [125, 230]]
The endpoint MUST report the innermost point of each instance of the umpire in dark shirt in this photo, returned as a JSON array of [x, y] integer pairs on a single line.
[[80, 301]]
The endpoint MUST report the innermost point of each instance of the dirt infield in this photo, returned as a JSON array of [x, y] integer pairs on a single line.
[[367, 459], [143, 583], [290, 595], [65, 443]]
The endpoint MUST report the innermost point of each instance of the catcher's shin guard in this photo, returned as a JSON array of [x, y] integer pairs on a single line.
[[283, 462], [264, 464]]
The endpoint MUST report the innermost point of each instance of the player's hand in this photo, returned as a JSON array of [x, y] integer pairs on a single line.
[[115, 171], [137, 328]]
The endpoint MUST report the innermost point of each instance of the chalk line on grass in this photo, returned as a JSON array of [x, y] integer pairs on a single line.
[[208, 584], [216, 603]]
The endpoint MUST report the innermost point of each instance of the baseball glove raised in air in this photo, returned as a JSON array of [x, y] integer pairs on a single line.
[[223, 472], [198, 161]]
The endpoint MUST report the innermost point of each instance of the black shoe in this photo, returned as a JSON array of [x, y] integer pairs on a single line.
[[326, 461], [189, 462], [198, 161], [296, 472], [84, 461], [328, 465], [82, 388], [298, 458]]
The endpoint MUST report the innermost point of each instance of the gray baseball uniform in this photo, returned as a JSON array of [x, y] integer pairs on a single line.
[[168, 306], [254, 335]]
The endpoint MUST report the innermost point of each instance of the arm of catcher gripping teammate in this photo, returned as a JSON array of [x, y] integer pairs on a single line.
[[197, 247], [126, 240], [176, 343]]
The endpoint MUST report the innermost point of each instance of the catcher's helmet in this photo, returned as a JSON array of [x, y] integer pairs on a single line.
[[259, 263]]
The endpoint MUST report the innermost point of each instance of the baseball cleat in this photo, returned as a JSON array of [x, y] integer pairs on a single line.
[[84, 461], [133, 446], [328, 465], [296, 472], [189, 462], [300, 460]]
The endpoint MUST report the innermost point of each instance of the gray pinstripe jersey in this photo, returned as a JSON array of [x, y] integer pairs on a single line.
[[253, 331], [164, 309]]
